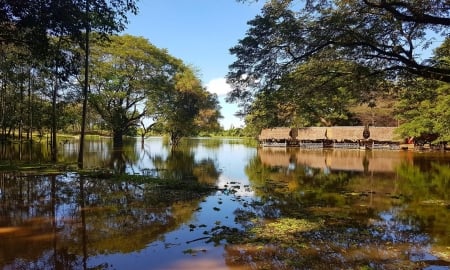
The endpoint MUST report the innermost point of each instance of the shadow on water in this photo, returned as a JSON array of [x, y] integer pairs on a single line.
[[271, 209]]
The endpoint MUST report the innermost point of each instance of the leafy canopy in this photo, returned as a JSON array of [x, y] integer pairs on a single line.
[[32, 23], [125, 71], [183, 107], [385, 36]]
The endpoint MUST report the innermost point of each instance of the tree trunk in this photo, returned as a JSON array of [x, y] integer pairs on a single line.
[[117, 138], [30, 109], [85, 88], [54, 145], [175, 138]]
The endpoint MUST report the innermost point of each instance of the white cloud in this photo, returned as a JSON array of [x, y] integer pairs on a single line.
[[218, 86]]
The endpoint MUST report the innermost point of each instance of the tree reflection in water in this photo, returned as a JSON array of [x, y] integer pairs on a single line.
[[292, 209], [319, 217]]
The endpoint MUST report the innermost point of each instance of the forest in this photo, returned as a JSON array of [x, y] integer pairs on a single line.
[[66, 68]]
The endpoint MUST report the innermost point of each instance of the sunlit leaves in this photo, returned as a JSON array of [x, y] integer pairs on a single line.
[[124, 74], [33, 22], [182, 107], [318, 92], [370, 33], [424, 111]]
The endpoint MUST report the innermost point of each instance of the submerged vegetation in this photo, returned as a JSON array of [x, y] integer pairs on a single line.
[[281, 214]]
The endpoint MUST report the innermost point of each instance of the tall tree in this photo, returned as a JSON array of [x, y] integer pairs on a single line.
[[387, 36], [32, 24], [319, 92], [424, 106], [207, 119], [124, 73], [105, 18], [61, 65], [184, 107]]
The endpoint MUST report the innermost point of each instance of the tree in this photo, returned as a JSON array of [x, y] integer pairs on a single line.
[[266, 111], [319, 92], [105, 18], [184, 107], [32, 24], [423, 108], [423, 111], [60, 65], [124, 73], [24, 86], [386, 36], [207, 119]]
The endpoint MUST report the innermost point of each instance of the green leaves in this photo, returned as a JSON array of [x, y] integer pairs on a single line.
[[126, 72], [32, 23], [183, 107], [424, 111]]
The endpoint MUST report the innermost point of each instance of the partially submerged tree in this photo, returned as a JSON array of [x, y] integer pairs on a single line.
[[104, 17], [132, 80], [125, 72], [32, 24], [184, 107]]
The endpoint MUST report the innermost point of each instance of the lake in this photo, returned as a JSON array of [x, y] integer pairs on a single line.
[[272, 208]]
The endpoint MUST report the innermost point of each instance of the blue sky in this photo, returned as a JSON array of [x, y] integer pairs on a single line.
[[200, 32]]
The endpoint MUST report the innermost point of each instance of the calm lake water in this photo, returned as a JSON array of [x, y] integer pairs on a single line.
[[274, 208]]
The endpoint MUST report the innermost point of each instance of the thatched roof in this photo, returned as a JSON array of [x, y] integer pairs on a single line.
[[356, 133], [383, 134], [312, 133], [278, 134], [331, 133], [345, 133]]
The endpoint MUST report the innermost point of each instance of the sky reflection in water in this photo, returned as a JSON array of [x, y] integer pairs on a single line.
[[377, 209]]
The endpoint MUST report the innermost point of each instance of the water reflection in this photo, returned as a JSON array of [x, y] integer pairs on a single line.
[[395, 202], [61, 221], [274, 208], [335, 160]]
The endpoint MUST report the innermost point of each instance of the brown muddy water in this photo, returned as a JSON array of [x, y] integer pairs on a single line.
[[272, 208]]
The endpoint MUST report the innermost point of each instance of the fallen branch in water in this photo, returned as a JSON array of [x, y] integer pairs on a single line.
[[198, 239]]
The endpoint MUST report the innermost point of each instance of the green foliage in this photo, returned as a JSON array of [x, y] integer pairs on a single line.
[[385, 36], [308, 64], [182, 107], [45, 35], [232, 132], [316, 93], [125, 72], [31, 24], [424, 110], [283, 229]]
